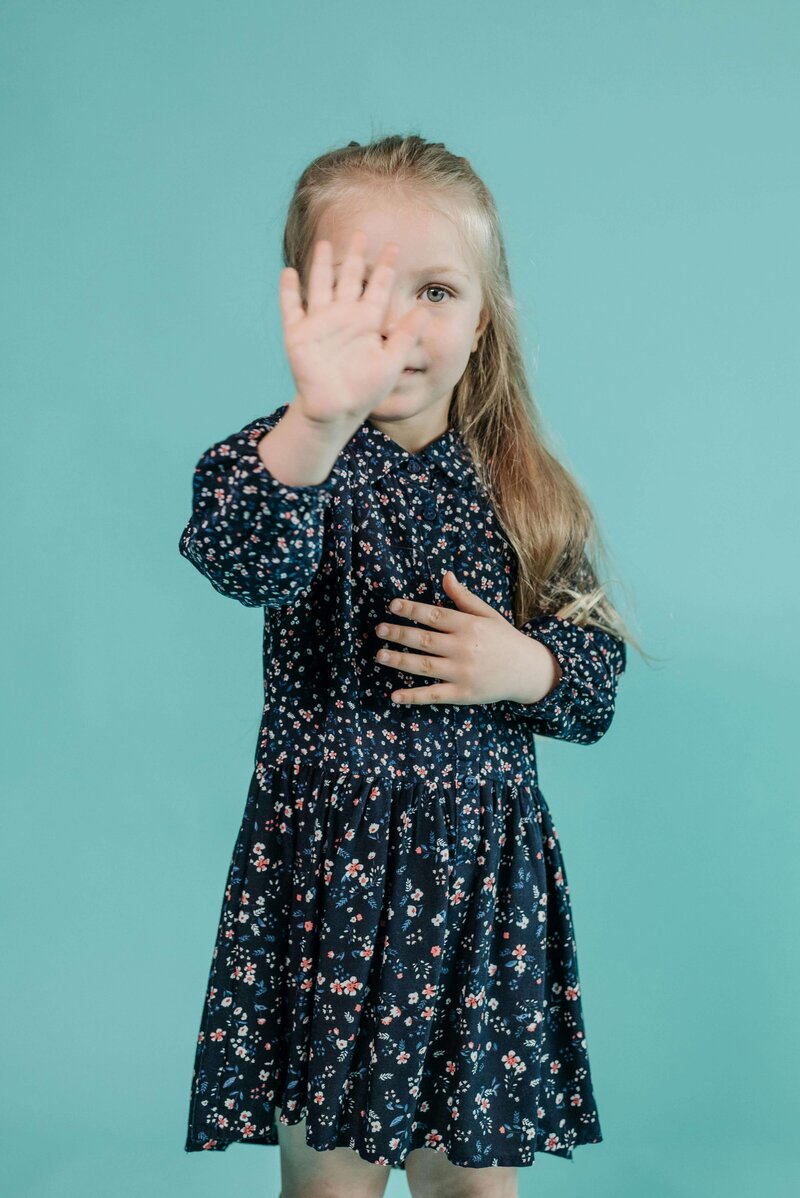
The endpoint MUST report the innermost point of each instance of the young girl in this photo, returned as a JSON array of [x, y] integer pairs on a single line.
[[395, 979]]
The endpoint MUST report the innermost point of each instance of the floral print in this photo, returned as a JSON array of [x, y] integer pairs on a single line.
[[395, 958]]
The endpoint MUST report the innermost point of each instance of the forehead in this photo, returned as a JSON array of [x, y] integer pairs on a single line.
[[425, 237]]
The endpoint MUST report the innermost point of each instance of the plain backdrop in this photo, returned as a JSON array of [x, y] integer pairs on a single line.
[[643, 156]]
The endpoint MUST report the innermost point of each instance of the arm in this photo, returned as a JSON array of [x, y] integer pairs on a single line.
[[580, 706], [256, 539]]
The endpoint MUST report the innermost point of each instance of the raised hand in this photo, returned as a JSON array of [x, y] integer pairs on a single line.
[[341, 364]]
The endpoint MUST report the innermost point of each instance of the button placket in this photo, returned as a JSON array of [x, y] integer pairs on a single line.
[[430, 507], [421, 499], [467, 795], [422, 495], [418, 500], [407, 518]]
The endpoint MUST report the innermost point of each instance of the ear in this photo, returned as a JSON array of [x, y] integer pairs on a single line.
[[481, 326]]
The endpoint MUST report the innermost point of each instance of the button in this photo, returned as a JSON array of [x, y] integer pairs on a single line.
[[413, 466], [429, 507], [471, 782]]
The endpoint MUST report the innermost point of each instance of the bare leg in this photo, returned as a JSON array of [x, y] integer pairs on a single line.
[[431, 1175], [339, 1173]]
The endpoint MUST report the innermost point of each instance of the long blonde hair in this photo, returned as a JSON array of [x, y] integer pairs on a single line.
[[541, 508]]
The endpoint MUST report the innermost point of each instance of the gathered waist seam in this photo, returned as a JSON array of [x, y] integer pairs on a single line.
[[330, 772]]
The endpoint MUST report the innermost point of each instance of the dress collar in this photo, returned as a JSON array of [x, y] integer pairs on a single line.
[[375, 454]]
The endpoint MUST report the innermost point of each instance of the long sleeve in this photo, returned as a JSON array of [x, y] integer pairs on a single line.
[[254, 538], [580, 707]]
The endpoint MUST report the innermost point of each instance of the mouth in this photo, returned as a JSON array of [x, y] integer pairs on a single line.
[[411, 370]]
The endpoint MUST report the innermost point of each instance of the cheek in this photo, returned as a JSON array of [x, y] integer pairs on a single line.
[[448, 339]]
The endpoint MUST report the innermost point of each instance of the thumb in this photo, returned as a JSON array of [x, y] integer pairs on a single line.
[[464, 598]]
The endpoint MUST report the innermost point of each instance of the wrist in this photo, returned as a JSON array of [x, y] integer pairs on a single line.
[[336, 431], [539, 672]]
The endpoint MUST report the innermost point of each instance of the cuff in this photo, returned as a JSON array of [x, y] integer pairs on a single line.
[[549, 632]]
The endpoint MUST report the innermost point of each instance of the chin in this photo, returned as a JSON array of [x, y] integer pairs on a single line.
[[398, 403]]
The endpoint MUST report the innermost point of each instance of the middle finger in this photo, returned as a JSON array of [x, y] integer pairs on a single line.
[[415, 638]]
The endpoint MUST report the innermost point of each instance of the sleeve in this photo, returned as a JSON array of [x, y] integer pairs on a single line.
[[254, 538], [580, 706]]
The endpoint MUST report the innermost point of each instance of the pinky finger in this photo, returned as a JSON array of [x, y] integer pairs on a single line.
[[422, 695], [291, 304]]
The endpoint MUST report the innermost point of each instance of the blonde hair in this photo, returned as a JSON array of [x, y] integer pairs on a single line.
[[541, 508]]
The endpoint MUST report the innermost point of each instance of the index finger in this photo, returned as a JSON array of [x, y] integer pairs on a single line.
[[426, 613]]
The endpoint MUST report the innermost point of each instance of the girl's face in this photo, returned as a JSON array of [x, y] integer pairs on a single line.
[[430, 269]]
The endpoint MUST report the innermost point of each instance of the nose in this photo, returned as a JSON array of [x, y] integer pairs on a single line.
[[395, 311]]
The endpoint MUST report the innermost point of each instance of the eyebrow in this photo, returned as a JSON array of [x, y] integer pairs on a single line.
[[427, 270]]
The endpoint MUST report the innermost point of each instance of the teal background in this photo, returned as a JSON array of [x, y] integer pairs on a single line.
[[644, 160]]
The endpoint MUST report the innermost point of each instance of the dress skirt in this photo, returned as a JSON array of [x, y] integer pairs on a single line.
[[395, 963]]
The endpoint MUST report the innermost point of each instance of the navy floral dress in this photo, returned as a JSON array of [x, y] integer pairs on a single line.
[[395, 959]]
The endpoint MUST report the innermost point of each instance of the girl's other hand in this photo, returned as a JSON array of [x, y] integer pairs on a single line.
[[473, 653], [341, 364]]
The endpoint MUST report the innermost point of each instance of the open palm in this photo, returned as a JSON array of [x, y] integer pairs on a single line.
[[341, 363]]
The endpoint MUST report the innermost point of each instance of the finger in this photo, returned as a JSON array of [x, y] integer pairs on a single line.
[[291, 304], [471, 603], [320, 278], [380, 282], [424, 695], [351, 272], [423, 665], [416, 638], [446, 619]]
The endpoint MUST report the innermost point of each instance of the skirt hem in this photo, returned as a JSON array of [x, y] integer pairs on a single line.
[[347, 1141]]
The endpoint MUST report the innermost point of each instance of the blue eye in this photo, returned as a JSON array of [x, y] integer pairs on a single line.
[[439, 287]]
